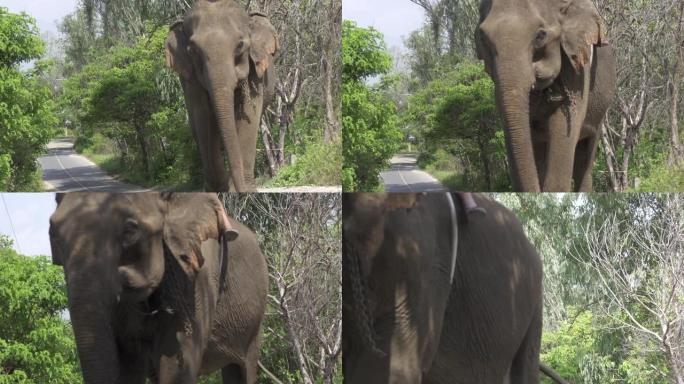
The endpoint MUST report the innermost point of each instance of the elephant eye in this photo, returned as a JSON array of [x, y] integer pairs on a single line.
[[540, 37], [131, 232]]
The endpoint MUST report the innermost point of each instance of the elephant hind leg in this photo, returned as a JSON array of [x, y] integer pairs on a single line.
[[525, 366], [584, 161], [232, 374]]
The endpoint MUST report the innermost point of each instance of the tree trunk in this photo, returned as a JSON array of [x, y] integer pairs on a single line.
[[332, 127], [673, 87], [267, 139], [142, 142]]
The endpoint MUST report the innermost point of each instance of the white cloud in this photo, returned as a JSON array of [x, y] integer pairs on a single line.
[[24, 217], [396, 19], [46, 12]]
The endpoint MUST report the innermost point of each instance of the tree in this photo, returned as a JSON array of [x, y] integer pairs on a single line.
[[369, 117], [27, 116], [641, 274], [36, 343], [300, 234], [455, 117]]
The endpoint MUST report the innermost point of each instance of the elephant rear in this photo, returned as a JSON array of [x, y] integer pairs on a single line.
[[492, 325], [239, 311]]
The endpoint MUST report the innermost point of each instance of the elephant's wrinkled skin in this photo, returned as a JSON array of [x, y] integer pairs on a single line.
[[554, 72], [156, 289], [225, 61], [406, 322]]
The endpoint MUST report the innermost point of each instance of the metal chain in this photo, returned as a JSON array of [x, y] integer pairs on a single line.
[[364, 320]]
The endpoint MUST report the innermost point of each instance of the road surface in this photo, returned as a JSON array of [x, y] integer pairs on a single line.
[[405, 176], [66, 171]]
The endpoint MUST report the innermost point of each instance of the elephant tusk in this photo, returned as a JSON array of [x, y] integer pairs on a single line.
[[454, 241]]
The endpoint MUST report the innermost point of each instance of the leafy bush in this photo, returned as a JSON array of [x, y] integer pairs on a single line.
[[27, 117], [132, 101], [369, 117], [320, 165], [456, 120], [36, 343]]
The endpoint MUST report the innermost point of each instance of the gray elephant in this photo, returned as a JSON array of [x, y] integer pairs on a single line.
[[554, 72], [160, 286], [225, 61], [428, 301]]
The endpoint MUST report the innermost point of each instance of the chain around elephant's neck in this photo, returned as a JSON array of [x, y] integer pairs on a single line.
[[364, 318]]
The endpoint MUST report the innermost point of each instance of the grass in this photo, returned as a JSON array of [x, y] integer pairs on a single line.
[[319, 165]]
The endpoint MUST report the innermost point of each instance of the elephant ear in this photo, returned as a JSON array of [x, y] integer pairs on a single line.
[[176, 48], [264, 42], [582, 28], [193, 218]]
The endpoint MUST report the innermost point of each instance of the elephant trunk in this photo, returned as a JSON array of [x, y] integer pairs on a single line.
[[513, 95], [90, 307], [223, 99]]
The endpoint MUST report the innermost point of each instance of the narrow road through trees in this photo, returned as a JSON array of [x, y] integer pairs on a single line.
[[66, 171], [405, 176]]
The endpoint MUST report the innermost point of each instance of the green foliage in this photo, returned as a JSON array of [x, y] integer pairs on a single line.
[[571, 350], [371, 137], [27, 115], [364, 53], [128, 107], [36, 343], [456, 122], [585, 337], [319, 165], [19, 38], [369, 120]]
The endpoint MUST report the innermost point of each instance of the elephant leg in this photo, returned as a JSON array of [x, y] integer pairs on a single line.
[[539, 148], [249, 369], [232, 374], [215, 170], [584, 161], [525, 366], [560, 152], [248, 128], [180, 357], [132, 369]]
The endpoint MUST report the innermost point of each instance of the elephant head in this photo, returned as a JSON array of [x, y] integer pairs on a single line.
[[221, 49], [526, 46], [116, 250]]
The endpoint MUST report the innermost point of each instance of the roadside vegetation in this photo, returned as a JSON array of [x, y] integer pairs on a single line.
[[27, 112], [613, 287], [370, 120]]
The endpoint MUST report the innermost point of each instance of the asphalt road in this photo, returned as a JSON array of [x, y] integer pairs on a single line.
[[66, 171], [405, 176]]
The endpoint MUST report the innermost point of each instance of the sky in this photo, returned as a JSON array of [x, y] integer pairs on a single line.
[[29, 215], [396, 19], [46, 12]]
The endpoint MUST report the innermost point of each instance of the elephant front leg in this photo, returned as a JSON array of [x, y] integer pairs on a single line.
[[560, 152], [248, 122], [584, 161], [179, 357]]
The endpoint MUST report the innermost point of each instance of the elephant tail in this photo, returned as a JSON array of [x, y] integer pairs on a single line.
[[364, 319], [553, 375]]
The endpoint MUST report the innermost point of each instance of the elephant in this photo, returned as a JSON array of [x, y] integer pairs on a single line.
[[555, 78], [225, 61], [160, 285], [433, 296]]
